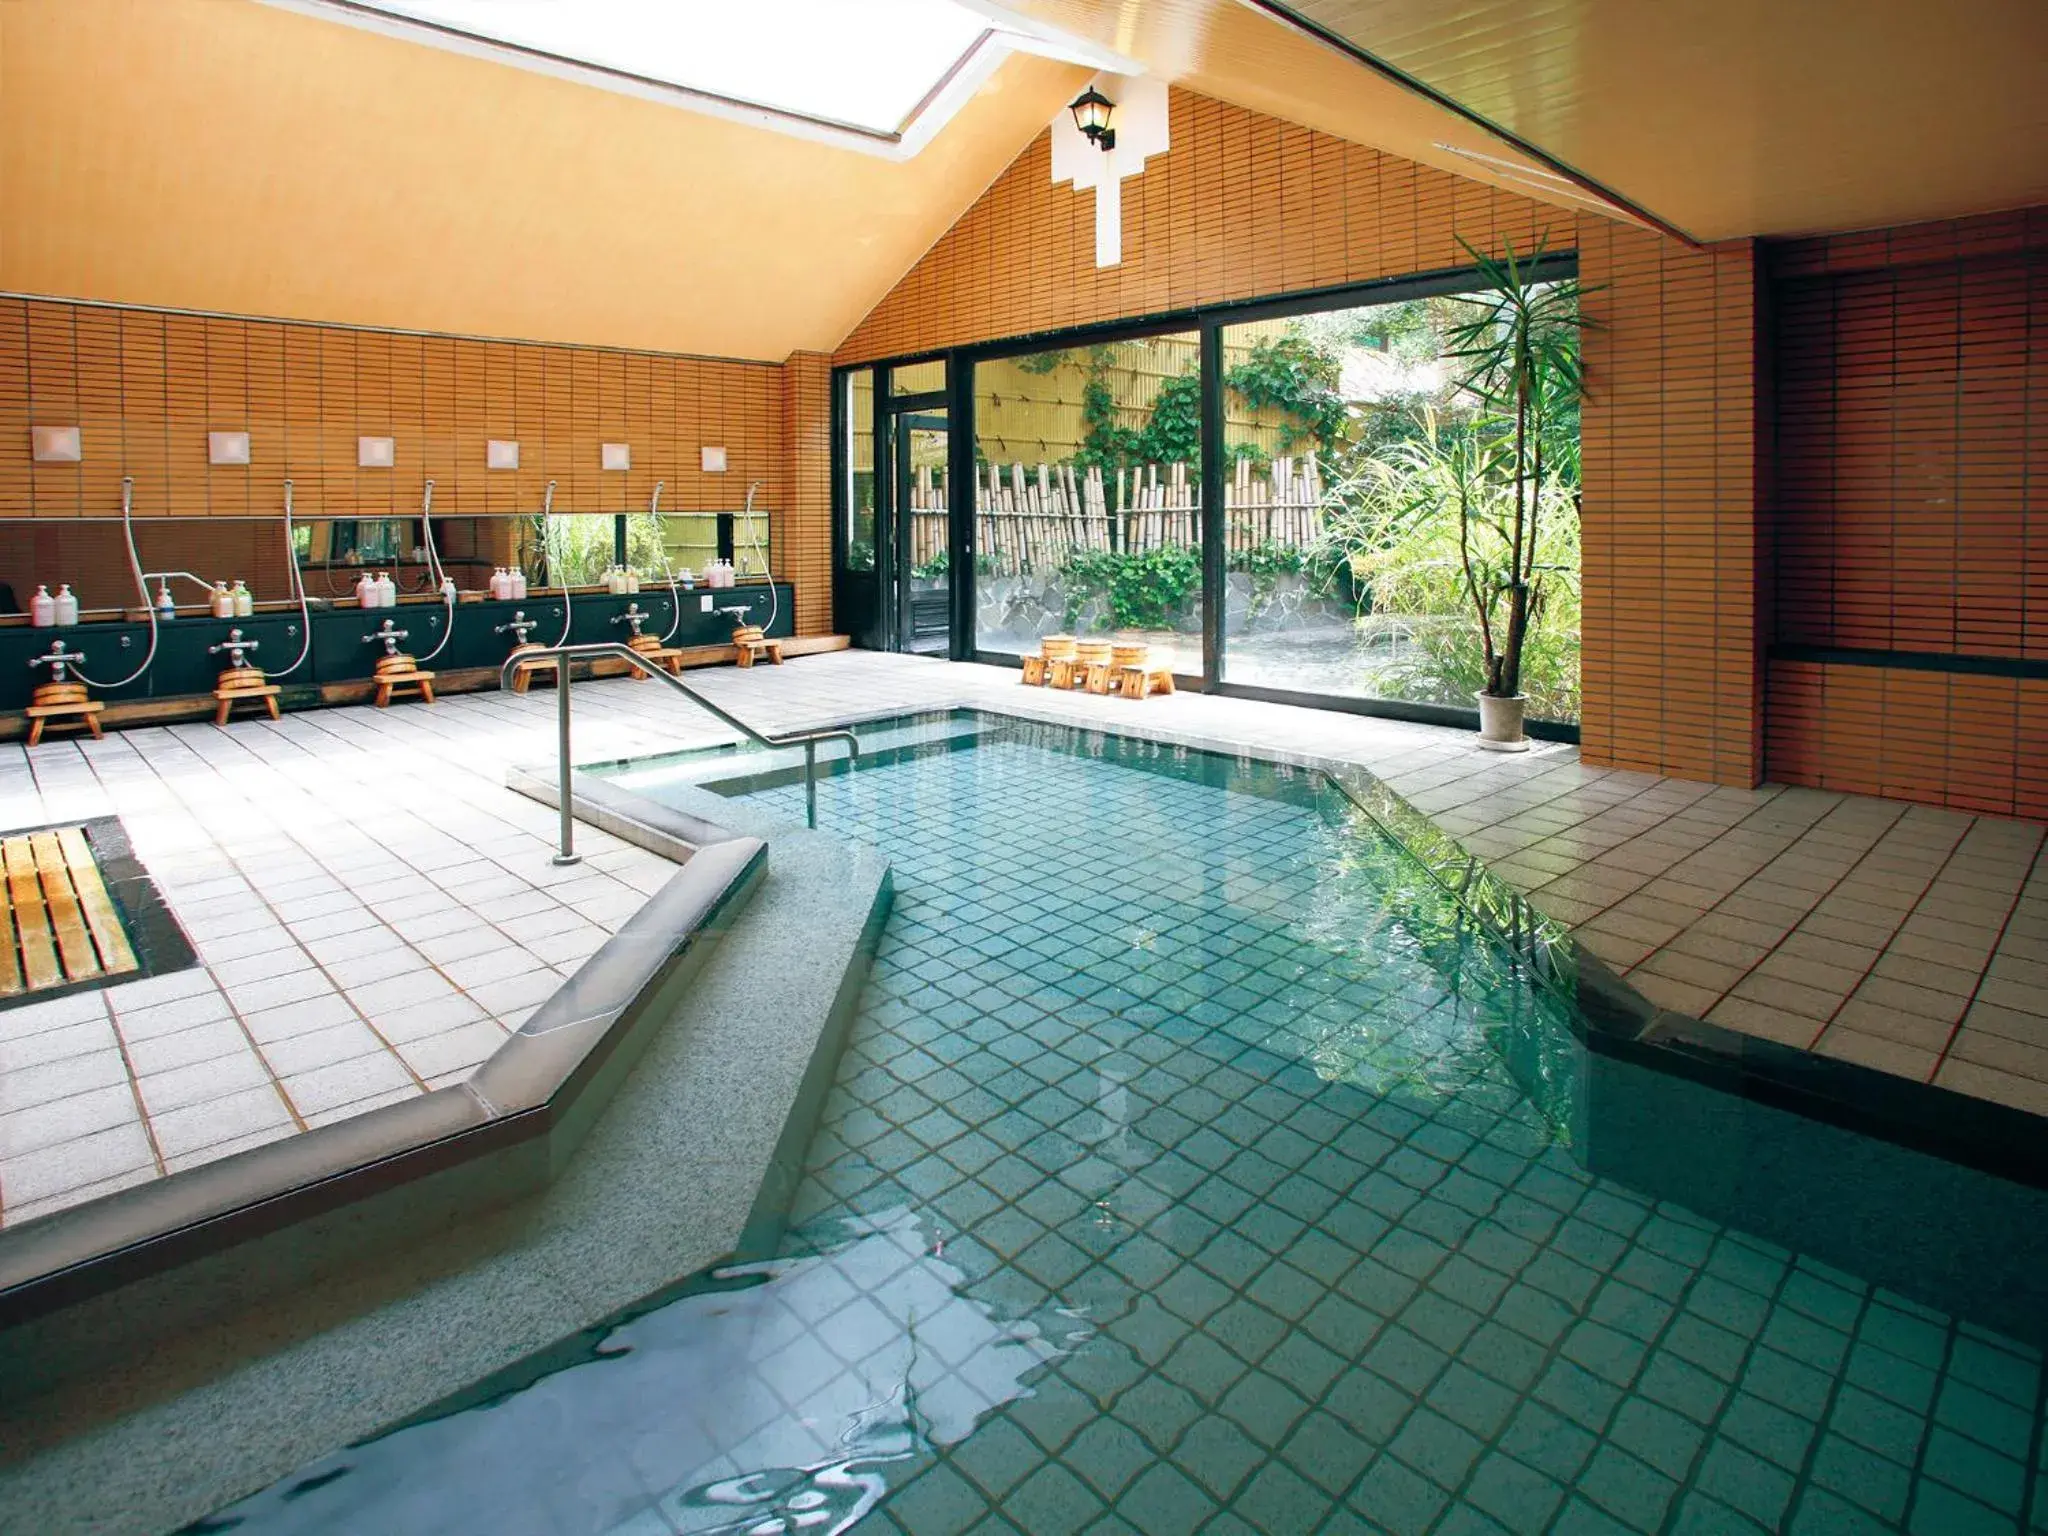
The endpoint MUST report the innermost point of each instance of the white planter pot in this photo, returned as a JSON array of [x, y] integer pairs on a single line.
[[1500, 723]]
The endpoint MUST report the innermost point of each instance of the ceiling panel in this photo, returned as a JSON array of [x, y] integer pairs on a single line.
[[1737, 117]]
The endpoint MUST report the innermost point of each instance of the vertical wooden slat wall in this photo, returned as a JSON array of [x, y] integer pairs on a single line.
[[803, 553], [1911, 511], [1671, 671], [1244, 206], [145, 387]]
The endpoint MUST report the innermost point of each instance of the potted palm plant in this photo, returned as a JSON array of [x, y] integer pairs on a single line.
[[1519, 351]]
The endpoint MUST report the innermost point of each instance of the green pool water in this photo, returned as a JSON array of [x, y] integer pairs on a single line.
[[1197, 1164]]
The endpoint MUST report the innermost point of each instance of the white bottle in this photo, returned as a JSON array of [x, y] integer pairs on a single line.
[[366, 591], [67, 605], [222, 604], [387, 590], [166, 605], [42, 608], [632, 582], [448, 592], [518, 575], [245, 601]]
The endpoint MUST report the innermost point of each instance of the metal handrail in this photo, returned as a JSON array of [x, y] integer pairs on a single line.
[[566, 656]]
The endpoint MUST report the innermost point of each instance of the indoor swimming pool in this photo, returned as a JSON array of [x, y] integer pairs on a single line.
[[1198, 1163]]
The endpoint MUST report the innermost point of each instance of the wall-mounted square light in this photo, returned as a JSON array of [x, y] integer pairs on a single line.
[[713, 460], [616, 456], [227, 447], [376, 452], [56, 445], [501, 453]]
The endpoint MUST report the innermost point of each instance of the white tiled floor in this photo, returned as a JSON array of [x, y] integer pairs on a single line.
[[374, 910]]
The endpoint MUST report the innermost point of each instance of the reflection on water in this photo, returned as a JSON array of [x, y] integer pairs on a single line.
[[768, 1398]]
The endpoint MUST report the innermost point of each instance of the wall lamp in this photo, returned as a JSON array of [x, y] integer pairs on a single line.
[[1091, 111]]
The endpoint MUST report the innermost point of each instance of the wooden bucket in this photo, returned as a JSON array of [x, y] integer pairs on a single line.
[[1057, 647]]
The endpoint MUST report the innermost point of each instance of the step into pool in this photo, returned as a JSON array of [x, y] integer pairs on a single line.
[[1197, 1163]]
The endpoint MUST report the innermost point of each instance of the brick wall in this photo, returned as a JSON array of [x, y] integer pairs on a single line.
[[1671, 668], [146, 386], [803, 554], [1246, 206]]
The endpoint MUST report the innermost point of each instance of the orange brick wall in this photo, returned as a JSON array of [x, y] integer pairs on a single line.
[[1243, 206], [803, 554], [146, 386], [1671, 659], [1911, 511], [1246, 206]]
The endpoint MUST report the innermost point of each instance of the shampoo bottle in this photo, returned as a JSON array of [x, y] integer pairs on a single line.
[[518, 584], [387, 590], [222, 603], [42, 608], [366, 591], [245, 601], [67, 605], [166, 605]]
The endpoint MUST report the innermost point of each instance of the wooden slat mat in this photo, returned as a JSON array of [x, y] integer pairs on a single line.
[[57, 922]]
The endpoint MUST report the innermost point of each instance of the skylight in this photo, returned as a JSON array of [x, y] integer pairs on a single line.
[[871, 65]]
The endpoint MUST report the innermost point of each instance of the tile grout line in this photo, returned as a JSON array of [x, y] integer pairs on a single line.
[[2019, 895]]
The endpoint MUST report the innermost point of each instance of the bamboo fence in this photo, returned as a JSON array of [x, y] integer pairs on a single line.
[[1031, 520]]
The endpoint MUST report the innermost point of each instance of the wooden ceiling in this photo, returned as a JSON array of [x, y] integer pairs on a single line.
[[230, 155], [233, 156], [1722, 117]]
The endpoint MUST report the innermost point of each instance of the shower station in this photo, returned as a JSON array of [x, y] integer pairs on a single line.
[[155, 658]]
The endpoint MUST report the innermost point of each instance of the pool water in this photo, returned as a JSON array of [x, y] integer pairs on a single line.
[[1175, 1179]]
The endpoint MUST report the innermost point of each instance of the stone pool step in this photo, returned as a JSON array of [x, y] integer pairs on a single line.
[[317, 1333]]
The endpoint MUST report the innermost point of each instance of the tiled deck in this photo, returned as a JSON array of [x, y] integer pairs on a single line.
[[374, 910]]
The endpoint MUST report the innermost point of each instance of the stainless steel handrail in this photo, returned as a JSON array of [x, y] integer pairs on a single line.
[[566, 656]]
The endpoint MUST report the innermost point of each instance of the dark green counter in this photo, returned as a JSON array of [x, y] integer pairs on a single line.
[[342, 652]]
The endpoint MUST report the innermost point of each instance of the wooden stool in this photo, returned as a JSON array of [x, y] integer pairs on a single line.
[[239, 683], [1091, 665], [747, 652], [396, 673], [667, 657], [1139, 682], [65, 703], [1052, 650], [522, 673]]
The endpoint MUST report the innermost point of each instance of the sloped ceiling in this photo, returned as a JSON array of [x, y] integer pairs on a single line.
[[229, 155], [1743, 117]]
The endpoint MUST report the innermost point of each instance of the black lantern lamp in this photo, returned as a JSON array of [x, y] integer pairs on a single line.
[[1091, 111]]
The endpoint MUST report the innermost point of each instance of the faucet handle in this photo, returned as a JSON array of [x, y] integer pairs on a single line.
[[235, 646], [57, 659], [519, 625]]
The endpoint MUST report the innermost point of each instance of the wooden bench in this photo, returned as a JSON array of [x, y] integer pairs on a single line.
[[750, 645], [1140, 682]]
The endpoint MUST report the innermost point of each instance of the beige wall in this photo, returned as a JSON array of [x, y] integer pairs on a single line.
[[230, 156]]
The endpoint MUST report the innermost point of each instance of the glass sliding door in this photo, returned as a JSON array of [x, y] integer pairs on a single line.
[[1087, 497], [923, 527], [1343, 435]]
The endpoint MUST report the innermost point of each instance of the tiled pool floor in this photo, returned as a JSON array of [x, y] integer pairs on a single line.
[[1170, 1184]]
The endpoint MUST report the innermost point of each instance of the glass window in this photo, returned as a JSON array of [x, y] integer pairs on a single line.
[[918, 378], [858, 502], [1088, 497], [869, 66], [1347, 435]]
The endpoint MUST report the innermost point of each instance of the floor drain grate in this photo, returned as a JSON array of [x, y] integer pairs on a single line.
[[60, 923]]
